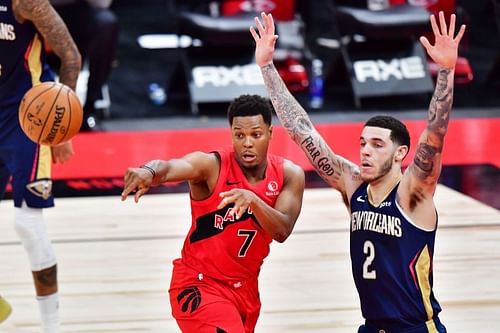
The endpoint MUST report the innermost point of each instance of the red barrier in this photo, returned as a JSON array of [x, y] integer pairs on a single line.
[[108, 154]]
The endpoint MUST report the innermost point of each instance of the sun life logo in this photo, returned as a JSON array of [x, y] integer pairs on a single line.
[[272, 188]]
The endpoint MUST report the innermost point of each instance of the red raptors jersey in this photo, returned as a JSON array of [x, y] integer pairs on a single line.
[[218, 244]]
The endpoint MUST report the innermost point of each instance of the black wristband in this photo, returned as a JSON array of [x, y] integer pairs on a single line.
[[150, 169]]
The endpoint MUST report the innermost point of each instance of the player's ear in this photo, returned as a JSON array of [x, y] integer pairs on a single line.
[[401, 153]]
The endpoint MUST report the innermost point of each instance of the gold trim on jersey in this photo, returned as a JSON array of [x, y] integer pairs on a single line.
[[40, 184], [34, 60], [43, 166], [422, 269], [431, 326]]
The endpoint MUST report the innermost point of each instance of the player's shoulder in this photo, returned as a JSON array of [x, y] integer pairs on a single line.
[[201, 157], [291, 169]]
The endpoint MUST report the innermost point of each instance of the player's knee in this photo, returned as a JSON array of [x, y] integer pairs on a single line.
[[30, 228]]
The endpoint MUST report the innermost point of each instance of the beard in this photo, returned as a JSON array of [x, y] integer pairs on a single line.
[[384, 170]]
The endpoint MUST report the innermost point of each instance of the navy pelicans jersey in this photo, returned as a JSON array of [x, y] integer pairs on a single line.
[[22, 65], [21, 59], [391, 262], [217, 244]]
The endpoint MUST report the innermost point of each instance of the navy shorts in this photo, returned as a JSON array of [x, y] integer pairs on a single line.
[[431, 326], [28, 163]]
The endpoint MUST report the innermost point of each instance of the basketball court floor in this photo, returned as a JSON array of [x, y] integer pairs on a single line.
[[115, 257], [115, 266]]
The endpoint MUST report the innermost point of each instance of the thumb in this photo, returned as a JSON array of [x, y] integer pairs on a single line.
[[425, 42]]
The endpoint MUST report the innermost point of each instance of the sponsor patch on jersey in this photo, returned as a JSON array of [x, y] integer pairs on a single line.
[[272, 188]]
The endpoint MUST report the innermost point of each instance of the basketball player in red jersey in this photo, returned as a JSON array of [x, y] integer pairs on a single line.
[[24, 26], [240, 201]]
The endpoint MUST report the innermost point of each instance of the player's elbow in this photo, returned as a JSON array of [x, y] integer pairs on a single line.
[[280, 237], [281, 234]]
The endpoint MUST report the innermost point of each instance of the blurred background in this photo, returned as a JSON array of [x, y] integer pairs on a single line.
[[335, 32], [158, 76]]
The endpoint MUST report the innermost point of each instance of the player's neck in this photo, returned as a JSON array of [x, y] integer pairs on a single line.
[[378, 191], [255, 175]]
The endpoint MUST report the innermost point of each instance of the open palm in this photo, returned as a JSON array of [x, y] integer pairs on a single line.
[[265, 39], [444, 52]]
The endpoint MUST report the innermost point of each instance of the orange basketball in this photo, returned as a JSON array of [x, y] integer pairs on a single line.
[[50, 113]]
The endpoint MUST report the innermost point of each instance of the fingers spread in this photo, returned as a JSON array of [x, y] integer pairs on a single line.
[[460, 34], [434, 26], [260, 27], [254, 34], [139, 194], [129, 187], [442, 23], [224, 200], [451, 29], [425, 42], [269, 22]]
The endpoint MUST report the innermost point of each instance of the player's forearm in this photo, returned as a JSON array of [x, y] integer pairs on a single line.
[[427, 162], [158, 169], [55, 33], [299, 126], [274, 222], [68, 74], [290, 113], [441, 102]]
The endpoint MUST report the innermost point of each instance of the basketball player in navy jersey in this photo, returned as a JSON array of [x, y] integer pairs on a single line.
[[24, 26], [241, 199], [393, 216]]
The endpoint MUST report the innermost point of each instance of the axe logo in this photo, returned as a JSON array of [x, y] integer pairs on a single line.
[[380, 70], [221, 76]]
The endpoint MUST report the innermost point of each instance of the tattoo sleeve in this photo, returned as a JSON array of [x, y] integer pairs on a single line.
[[430, 146], [53, 30], [300, 128]]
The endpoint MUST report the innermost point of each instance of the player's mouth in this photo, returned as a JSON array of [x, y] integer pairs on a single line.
[[248, 157], [366, 166]]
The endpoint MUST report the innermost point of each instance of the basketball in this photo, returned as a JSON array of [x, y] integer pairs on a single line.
[[50, 113]]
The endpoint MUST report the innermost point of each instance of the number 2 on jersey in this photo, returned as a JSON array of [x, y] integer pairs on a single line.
[[249, 234], [369, 250]]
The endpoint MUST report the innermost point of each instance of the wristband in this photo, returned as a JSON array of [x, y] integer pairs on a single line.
[[150, 169]]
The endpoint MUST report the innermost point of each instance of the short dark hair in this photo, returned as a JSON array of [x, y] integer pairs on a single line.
[[250, 105], [399, 132]]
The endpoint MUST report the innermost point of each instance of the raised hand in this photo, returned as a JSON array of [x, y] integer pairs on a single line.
[[265, 39], [444, 52]]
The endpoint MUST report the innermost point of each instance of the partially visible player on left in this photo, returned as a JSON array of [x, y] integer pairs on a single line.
[[5, 309], [24, 27]]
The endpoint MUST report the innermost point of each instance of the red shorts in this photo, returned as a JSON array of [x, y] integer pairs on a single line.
[[201, 304]]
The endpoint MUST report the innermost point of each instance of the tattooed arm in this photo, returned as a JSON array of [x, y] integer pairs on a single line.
[[54, 31], [421, 177], [335, 170]]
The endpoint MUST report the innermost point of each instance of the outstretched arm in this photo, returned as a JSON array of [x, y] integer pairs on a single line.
[[195, 167], [420, 179], [334, 169], [426, 166]]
